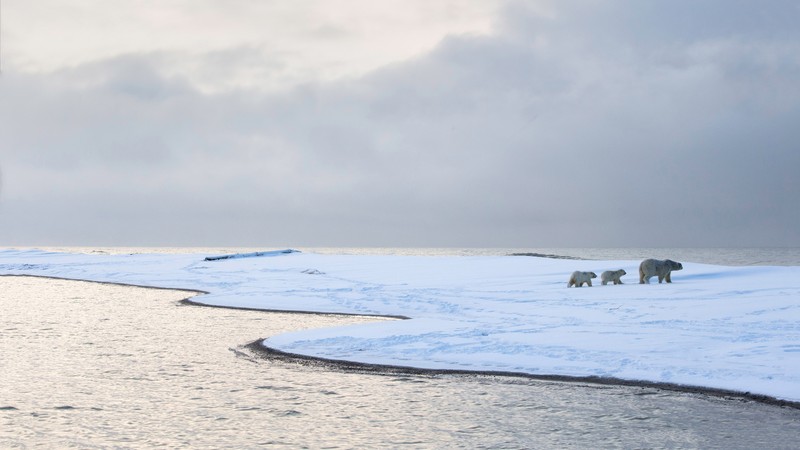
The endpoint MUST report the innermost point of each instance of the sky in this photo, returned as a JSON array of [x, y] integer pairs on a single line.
[[454, 123]]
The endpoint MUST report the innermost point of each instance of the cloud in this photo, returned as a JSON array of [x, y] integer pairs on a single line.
[[266, 45], [591, 124]]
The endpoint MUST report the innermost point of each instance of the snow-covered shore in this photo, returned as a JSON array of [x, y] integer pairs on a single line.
[[733, 328]]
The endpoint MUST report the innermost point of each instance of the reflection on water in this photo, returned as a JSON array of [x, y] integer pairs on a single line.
[[92, 365]]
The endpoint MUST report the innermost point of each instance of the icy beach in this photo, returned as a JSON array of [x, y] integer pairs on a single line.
[[732, 328]]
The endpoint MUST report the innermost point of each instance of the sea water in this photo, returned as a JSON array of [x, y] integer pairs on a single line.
[[756, 256], [88, 365]]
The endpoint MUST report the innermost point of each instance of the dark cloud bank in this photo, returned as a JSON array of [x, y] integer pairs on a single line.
[[603, 124]]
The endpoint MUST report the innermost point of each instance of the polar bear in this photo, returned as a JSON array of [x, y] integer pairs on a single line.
[[578, 278], [656, 267], [612, 275]]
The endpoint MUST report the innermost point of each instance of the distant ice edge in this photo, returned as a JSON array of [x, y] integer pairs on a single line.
[[251, 254]]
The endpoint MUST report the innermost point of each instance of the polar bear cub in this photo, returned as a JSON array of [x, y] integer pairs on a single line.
[[613, 276], [578, 278]]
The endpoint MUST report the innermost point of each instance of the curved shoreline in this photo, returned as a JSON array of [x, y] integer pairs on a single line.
[[345, 366], [269, 353], [113, 283], [189, 301]]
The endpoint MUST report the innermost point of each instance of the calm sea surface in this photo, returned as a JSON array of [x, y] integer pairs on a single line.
[[787, 256], [88, 365]]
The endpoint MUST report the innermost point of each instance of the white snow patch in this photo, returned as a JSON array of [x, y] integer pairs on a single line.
[[734, 328]]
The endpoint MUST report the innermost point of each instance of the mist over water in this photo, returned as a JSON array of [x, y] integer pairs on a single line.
[[771, 256]]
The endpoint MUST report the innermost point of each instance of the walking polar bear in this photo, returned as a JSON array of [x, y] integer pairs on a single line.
[[613, 276], [655, 267], [578, 278]]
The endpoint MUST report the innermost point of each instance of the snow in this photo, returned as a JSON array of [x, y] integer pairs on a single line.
[[734, 328]]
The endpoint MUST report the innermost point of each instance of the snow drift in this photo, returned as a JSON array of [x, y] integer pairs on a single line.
[[734, 328]]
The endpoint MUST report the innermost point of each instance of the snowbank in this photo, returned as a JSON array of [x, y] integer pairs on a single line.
[[735, 328]]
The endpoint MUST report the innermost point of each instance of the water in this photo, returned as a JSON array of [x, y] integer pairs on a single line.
[[779, 256], [87, 365]]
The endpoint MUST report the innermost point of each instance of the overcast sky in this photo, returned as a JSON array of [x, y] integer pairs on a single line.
[[447, 123]]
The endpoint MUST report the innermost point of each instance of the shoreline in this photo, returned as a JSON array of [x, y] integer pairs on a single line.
[[190, 302], [113, 283], [272, 354]]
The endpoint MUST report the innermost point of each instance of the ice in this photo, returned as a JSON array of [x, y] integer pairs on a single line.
[[735, 328]]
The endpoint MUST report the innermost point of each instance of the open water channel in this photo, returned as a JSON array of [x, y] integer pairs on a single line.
[[88, 365]]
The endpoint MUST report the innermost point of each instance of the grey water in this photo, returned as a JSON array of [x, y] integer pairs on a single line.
[[88, 365], [746, 256]]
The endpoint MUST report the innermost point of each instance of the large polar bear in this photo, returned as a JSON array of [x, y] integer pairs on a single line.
[[578, 278], [612, 275], [656, 267]]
